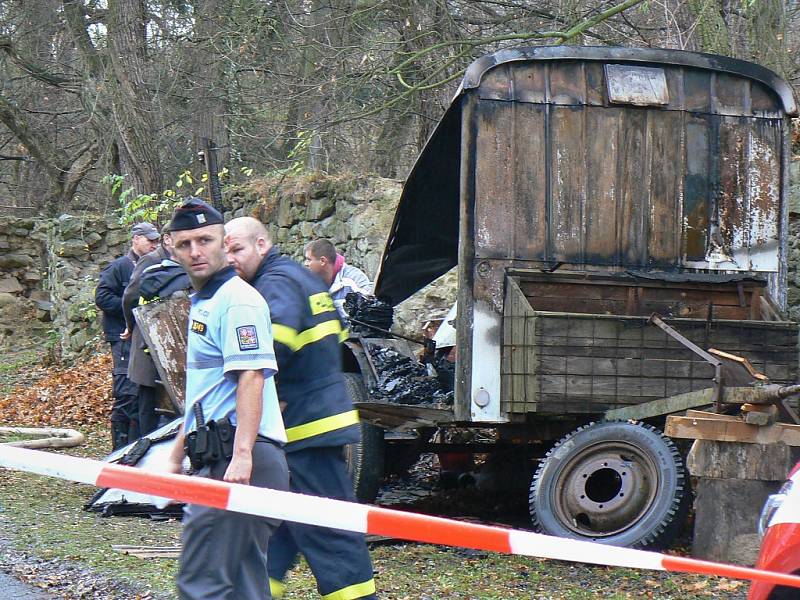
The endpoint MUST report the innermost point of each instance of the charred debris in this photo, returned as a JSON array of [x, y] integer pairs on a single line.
[[399, 378]]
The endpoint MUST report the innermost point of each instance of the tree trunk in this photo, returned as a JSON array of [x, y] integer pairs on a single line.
[[131, 98]]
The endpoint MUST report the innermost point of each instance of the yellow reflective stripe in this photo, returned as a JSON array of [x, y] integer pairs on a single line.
[[290, 337], [351, 592], [276, 588], [320, 426], [321, 303], [344, 335]]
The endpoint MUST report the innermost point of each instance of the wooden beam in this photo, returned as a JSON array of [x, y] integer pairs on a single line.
[[724, 430], [662, 406]]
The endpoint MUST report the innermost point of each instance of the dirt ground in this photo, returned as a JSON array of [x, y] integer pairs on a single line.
[[50, 542]]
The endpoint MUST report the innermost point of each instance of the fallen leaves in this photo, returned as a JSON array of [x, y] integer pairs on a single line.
[[78, 396]]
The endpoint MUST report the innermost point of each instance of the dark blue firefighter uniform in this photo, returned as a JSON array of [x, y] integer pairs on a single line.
[[320, 420]]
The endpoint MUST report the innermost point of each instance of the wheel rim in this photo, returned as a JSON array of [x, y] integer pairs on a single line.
[[605, 489]]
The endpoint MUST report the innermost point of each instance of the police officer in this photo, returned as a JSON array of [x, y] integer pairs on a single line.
[[229, 380], [108, 297], [317, 411], [156, 275]]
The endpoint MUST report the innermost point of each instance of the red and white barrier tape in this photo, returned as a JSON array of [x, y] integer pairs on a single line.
[[362, 518]]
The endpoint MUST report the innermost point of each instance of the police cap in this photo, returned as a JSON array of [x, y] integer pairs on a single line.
[[193, 214]]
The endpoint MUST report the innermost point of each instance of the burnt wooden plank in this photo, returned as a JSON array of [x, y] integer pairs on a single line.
[[529, 83], [696, 188], [530, 217], [567, 184], [164, 325], [602, 153], [633, 181], [567, 83], [494, 179], [733, 204], [763, 193], [665, 214]]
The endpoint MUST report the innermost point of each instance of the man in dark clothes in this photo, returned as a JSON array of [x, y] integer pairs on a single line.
[[317, 411], [108, 297], [156, 275]]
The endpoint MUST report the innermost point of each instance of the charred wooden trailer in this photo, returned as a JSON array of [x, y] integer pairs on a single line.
[[579, 191]]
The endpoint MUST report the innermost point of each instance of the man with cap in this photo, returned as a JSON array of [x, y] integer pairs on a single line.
[[317, 410], [230, 365], [108, 297], [156, 276]]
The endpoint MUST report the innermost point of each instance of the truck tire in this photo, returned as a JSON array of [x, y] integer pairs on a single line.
[[618, 483], [365, 459]]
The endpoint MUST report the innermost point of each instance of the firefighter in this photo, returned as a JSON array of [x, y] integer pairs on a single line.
[[318, 413], [342, 279]]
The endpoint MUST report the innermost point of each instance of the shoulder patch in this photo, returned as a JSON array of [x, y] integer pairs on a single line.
[[248, 338], [199, 327]]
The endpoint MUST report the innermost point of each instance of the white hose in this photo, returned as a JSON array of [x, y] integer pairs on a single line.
[[52, 437]]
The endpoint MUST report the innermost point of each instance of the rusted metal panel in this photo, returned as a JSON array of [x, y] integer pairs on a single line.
[[164, 325]]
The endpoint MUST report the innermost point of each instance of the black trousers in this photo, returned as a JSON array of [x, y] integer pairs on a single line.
[[124, 392], [339, 559], [224, 554]]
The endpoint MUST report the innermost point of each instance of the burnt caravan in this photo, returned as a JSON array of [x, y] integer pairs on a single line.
[[579, 191]]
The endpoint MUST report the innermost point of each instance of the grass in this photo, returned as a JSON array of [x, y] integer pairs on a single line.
[[44, 518]]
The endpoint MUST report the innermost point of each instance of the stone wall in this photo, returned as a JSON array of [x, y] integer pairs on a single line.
[[355, 213]]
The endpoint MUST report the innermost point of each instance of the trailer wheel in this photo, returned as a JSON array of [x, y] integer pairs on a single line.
[[365, 459], [619, 483]]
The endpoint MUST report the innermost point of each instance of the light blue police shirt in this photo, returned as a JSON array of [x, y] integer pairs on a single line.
[[229, 331]]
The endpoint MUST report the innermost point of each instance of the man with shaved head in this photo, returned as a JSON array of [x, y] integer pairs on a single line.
[[317, 411]]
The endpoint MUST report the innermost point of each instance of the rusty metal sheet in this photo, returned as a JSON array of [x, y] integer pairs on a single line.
[[640, 86], [732, 202], [764, 102], [164, 325]]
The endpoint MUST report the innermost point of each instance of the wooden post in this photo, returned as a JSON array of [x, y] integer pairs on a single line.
[[734, 480]]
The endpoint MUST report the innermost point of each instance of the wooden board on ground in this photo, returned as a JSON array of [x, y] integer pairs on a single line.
[[403, 417], [149, 551], [725, 430], [164, 325]]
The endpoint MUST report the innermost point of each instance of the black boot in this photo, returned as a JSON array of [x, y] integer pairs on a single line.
[[119, 434]]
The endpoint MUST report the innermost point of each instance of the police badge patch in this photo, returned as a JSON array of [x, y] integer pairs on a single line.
[[248, 338]]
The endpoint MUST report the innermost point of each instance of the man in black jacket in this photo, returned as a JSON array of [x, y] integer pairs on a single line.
[[108, 297], [156, 276]]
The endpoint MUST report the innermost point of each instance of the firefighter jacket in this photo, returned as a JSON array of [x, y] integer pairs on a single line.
[[307, 333], [108, 295]]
